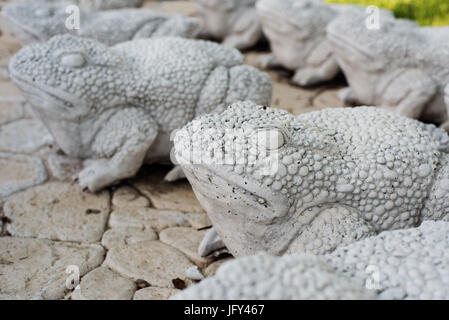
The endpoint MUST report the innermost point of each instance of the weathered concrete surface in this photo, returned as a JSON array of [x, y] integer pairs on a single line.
[[104, 284], [19, 172], [36, 269], [152, 261], [58, 211]]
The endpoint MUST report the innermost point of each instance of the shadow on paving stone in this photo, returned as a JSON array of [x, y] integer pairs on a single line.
[[165, 195]]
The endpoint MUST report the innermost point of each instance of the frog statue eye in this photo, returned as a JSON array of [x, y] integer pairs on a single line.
[[73, 60], [270, 139]]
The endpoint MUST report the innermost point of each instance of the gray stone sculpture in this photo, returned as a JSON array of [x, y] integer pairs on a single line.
[[400, 66], [41, 20], [399, 264], [266, 277], [296, 30], [234, 22], [117, 106], [274, 182], [96, 5]]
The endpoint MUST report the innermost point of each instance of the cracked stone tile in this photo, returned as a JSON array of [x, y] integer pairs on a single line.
[[8, 89], [152, 261], [155, 293], [36, 268], [127, 235], [58, 211], [127, 197], [62, 167], [104, 284], [19, 172], [11, 108], [186, 240], [166, 195], [199, 220], [148, 217], [26, 135]]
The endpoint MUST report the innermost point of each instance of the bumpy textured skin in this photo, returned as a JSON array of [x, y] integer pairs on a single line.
[[400, 264], [400, 66], [234, 22], [403, 264], [339, 175], [263, 276], [296, 30], [117, 106], [35, 21]]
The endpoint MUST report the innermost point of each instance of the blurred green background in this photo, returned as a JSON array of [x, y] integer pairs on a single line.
[[425, 12]]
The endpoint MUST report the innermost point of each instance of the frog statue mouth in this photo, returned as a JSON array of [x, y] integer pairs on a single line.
[[242, 211], [235, 192], [48, 100]]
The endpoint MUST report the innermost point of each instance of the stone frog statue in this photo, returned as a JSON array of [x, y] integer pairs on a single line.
[[274, 182], [40, 20], [296, 30], [400, 65], [117, 106], [234, 22], [410, 264]]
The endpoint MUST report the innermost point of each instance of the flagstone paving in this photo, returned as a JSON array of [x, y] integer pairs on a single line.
[[132, 241]]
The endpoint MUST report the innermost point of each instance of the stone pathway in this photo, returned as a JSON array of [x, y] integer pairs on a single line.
[[132, 241]]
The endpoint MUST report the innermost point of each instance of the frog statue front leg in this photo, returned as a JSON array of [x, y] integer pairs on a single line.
[[409, 93], [321, 66], [121, 146]]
